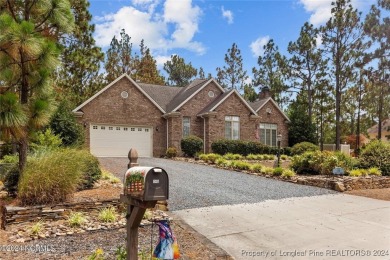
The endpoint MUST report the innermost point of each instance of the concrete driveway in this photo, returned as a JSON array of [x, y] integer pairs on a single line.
[[323, 227], [251, 217]]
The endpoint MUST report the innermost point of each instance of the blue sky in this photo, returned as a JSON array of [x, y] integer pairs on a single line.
[[202, 31]]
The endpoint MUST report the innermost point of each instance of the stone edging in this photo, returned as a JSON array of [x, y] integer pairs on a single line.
[[15, 215], [344, 183]]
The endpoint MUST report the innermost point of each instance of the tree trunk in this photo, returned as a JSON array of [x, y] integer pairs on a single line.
[[380, 112], [23, 147]]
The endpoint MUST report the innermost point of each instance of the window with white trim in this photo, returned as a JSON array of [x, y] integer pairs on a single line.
[[186, 126], [232, 127], [268, 134]]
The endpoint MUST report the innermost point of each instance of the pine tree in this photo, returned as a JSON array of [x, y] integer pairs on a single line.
[[270, 72], [179, 72], [300, 129], [79, 74], [146, 70], [377, 27], [340, 37], [201, 73], [119, 59], [29, 55], [306, 67], [232, 75]]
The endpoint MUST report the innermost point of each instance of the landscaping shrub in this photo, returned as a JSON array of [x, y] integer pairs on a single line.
[[91, 171], [252, 157], [256, 167], [108, 215], [56, 175], [357, 172], [318, 162], [204, 157], [171, 152], [374, 171], [76, 219], [288, 173], [303, 147], [212, 157], [64, 124], [11, 179], [278, 171], [230, 156], [240, 165], [284, 157], [191, 145], [45, 139], [267, 170], [376, 154], [222, 162]]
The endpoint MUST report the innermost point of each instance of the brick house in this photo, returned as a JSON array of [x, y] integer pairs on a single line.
[[127, 114]]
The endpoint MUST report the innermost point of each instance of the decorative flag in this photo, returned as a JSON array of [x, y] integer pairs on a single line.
[[167, 247]]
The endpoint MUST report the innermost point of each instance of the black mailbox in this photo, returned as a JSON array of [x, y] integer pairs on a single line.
[[146, 183]]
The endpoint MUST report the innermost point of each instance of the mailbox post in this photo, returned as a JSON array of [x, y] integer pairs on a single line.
[[143, 187]]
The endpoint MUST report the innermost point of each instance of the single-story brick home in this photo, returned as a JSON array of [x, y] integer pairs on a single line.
[[128, 114]]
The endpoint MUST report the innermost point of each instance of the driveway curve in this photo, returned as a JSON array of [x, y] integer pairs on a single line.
[[196, 186]]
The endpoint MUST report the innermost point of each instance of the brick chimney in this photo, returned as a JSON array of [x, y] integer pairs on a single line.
[[264, 93]]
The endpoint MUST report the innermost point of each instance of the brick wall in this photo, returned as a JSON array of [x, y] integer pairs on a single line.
[[275, 117], [137, 110]]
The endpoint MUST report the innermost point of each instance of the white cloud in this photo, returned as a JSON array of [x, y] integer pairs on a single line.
[[321, 9], [142, 21], [161, 59], [227, 14], [257, 47]]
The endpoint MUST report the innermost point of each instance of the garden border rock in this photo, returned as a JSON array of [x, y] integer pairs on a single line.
[[16, 214]]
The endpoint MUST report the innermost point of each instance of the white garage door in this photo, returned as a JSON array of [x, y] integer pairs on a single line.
[[116, 141]]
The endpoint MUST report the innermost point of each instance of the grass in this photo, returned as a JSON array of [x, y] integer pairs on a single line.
[[76, 219], [36, 228], [108, 215]]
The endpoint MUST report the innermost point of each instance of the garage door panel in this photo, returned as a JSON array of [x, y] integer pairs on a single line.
[[116, 141]]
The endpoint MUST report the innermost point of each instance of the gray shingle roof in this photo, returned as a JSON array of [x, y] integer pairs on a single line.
[[257, 104], [185, 93], [162, 95]]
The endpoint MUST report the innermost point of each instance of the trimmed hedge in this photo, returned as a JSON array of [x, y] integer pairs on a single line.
[[301, 148], [191, 145], [224, 146]]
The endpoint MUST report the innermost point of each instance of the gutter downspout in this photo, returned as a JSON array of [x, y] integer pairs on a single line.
[[167, 132]]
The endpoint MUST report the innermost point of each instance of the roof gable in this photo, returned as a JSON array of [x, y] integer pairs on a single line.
[[163, 95], [112, 84], [257, 105], [218, 101], [188, 92]]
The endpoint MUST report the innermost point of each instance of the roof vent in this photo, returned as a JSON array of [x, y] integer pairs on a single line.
[[268, 110]]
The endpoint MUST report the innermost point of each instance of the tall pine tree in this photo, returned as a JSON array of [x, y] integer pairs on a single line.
[[340, 37], [232, 75], [29, 55], [179, 72]]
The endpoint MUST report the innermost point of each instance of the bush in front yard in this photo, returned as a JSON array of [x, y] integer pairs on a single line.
[[52, 177], [376, 154], [171, 152], [191, 145], [303, 147]]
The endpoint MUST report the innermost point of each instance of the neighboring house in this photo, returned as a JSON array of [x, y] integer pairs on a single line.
[[373, 131], [127, 114]]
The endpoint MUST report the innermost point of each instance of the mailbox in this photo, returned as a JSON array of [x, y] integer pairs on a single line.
[[146, 183]]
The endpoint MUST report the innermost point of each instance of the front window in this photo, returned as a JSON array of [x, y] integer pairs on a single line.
[[186, 126], [232, 127], [268, 133]]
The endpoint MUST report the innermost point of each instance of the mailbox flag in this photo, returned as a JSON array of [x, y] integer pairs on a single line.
[[167, 247]]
